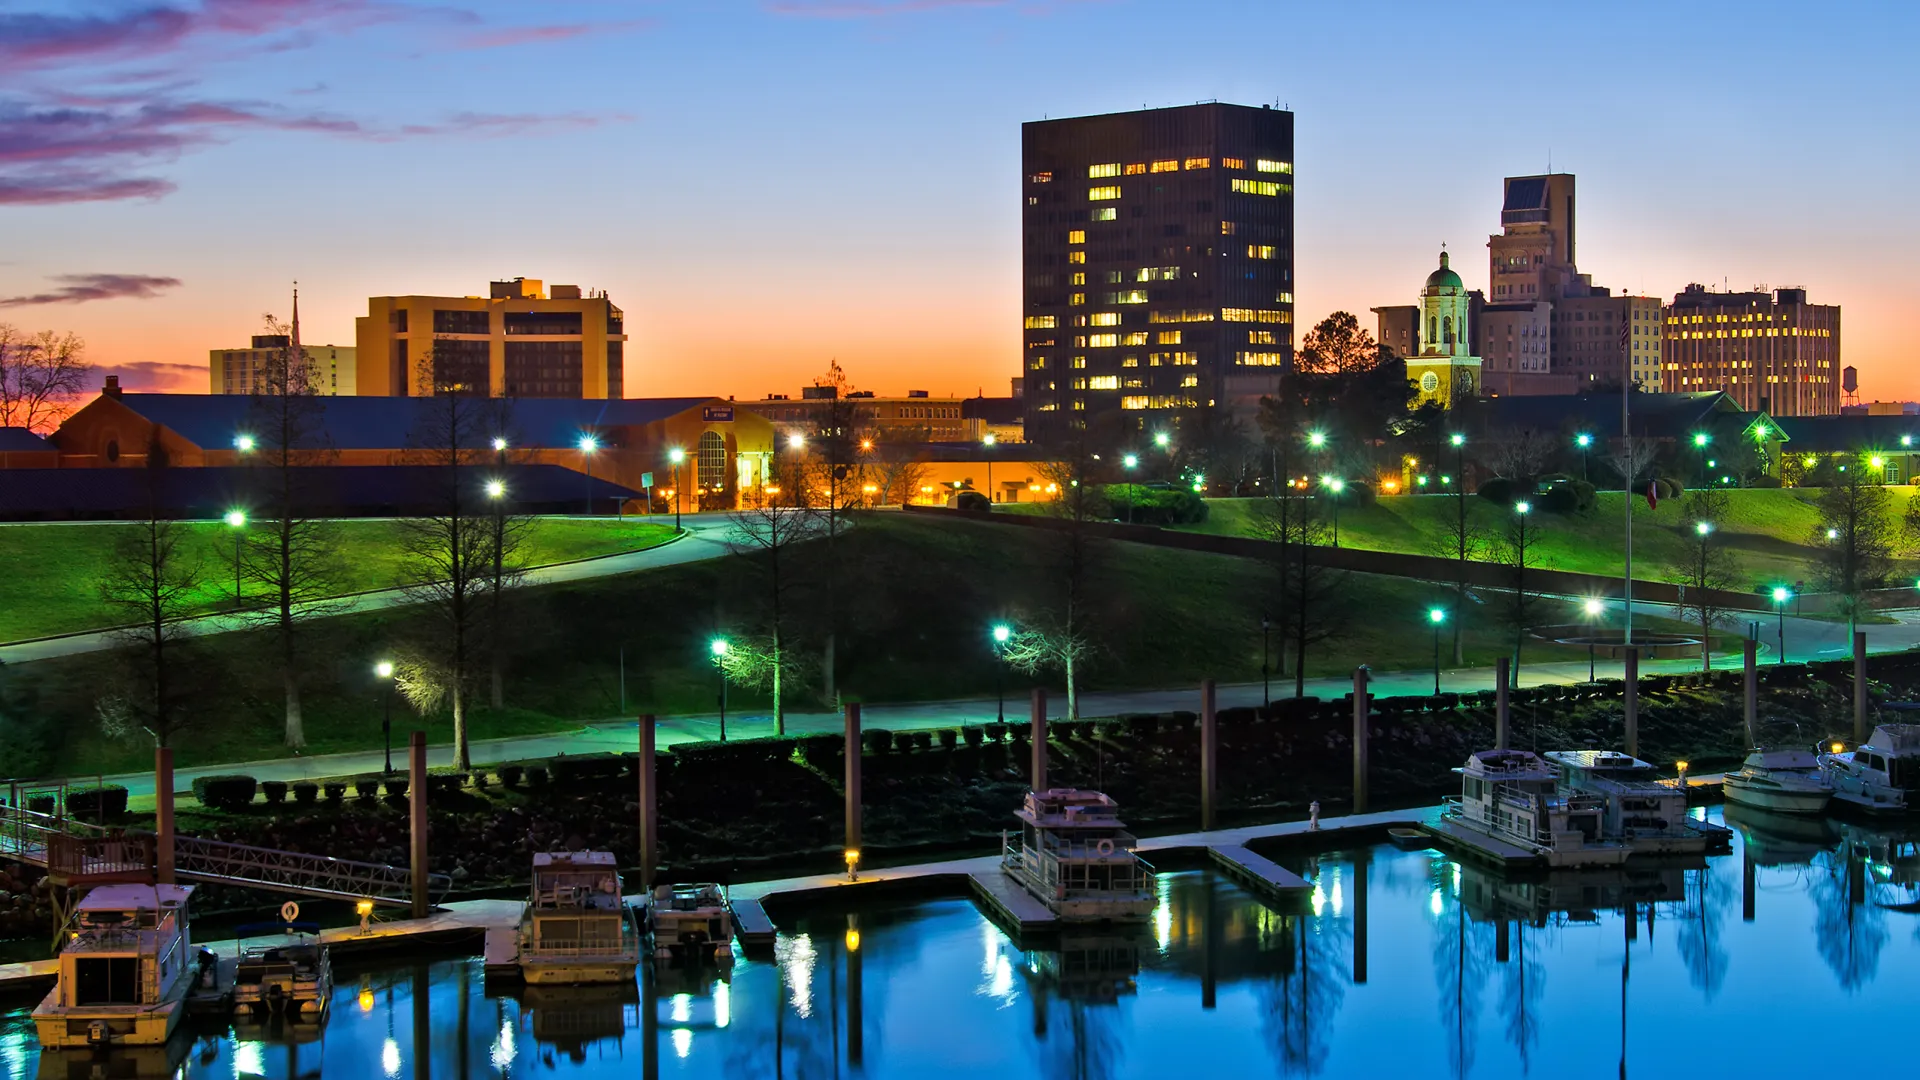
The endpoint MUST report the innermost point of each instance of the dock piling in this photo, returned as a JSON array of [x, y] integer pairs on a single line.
[[649, 805], [417, 818], [1361, 864], [853, 788], [1750, 683], [163, 815], [1360, 739], [1209, 753], [1632, 680], [856, 995], [1502, 714], [1859, 686], [1039, 739]]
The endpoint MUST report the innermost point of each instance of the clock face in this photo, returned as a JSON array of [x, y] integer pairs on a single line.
[[1429, 382]]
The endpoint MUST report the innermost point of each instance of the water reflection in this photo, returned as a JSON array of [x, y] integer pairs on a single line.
[[1399, 963]]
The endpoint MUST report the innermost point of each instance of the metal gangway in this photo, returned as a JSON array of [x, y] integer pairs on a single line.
[[80, 853]]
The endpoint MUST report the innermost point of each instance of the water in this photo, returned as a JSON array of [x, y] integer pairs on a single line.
[[1422, 987]]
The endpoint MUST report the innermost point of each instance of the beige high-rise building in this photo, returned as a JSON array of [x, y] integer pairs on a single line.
[[1592, 346], [237, 371], [517, 341], [1771, 352]]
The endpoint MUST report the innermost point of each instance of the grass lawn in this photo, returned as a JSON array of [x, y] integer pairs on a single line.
[[917, 600], [49, 587], [1768, 530]]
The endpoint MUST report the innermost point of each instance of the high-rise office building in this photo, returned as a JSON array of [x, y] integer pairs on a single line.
[[238, 371], [515, 342], [1158, 261], [1771, 352]]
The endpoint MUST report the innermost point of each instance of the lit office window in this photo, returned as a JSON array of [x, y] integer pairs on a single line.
[[1261, 337], [1105, 191], [1095, 172], [1168, 165], [1104, 382], [1262, 251], [1102, 341], [1106, 213], [1040, 322], [1227, 228], [1138, 337], [1040, 178], [1190, 380], [1104, 318], [1254, 316], [1259, 187], [1168, 337], [1138, 168], [1233, 163], [1258, 359], [1076, 256], [1128, 296], [1078, 279], [1077, 236], [1285, 168], [1077, 299]]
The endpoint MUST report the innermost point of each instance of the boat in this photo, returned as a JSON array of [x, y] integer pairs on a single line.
[[1512, 806], [292, 976], [690, 921], [1644, 812], [1783, 781], [1881, 774], [1076, 857], [575, 929], [1409, 839], [125, 967]]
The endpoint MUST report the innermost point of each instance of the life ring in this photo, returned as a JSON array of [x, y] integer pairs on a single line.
[[289, 911], [1104, 847]]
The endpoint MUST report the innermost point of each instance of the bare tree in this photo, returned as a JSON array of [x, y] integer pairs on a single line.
[[1704, 567], [1853, 540], [507, 535], [446, 546], [1520, 454], [152, 581], [1307, 594], [899, 471], [834, 455], [291, 554], [1517, 556], [764, 535], [1051, 645], [40, 376], [1062, 637]]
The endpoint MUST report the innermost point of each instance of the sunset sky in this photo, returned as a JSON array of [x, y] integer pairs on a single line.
[[766, 186]]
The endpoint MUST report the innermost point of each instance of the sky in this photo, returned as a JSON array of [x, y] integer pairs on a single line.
[[768, 186]]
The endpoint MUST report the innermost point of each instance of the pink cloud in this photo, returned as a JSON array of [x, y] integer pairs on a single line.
[[40, 38], [148, 376], [869, 9], [59, 187], [534, 35], [82, 288]]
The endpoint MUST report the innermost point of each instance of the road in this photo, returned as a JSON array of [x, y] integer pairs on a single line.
[[705, 537], [1807, 639]]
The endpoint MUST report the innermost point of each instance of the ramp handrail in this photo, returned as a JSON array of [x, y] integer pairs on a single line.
[[227, 863]]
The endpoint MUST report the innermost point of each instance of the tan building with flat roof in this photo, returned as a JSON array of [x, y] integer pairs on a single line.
[[517, 341], [1771, 352]]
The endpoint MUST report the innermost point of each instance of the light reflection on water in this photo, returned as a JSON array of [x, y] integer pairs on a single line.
[[1399, 963]]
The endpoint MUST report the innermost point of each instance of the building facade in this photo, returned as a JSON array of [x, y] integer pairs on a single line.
[[237, 371], [918, 416], [1772, 352], [1600, 336], [518, 341], [1444, 366], [1158, 265], [1398, 328]]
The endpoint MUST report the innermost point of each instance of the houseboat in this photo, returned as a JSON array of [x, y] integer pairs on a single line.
[[1076, 857], [291, 976], [690, 921], [1511, 806], [1645, 813], [126, 965], [1783, 781], [576, 929], [1880, 775]]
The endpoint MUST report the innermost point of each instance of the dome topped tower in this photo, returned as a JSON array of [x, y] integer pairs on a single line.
[[1445, 364]]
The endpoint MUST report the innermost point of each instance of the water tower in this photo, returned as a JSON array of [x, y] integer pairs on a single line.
[[1850, 382]]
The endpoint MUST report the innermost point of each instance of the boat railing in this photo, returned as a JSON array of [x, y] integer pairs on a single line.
[[624, 946]]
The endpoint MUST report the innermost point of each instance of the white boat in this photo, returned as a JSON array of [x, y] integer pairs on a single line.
[[690, 920], [125, 968], [1076, 857], [1879, 775], [1784, 781], [291, 976], [576, 929], [1644, 812], [1511, 805]]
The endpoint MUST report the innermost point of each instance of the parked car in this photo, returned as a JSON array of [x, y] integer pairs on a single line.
[[969, 500]]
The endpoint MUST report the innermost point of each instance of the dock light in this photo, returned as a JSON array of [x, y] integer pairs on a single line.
[[796, 441], [1703, 527], [1837, 747], [365, 998], [1700, 438], [1316, 439], [496, 489], [1160, 439], [853, 864], [853, 940], [365, 910], [499, 444], [1593, 607], [1681, 767], [243, 443]]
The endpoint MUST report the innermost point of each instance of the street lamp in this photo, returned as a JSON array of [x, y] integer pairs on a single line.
[[496, 489], [987, 441], [384, 670], [676, 456], [588, 444], [1436, 616], [243, 443], [1335, 485], [1317, 439], [1160, 439], [1593, 609], [796, 441], [719, 649], [499, 445], [1002, 633], [1266, 691], [1700, 441], [1583, 441], [1131, 461], [237, 521], [1782, 594]]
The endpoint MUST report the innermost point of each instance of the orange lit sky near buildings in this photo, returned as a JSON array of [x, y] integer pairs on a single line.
[[765, 187]]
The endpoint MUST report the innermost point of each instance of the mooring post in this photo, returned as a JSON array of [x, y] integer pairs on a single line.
[[1502, 718], [1750, 684], [1360, 739], [417, 817], [852, 712], [1746, 883], [1039, 737], [1502, 952], [1633, 701], [649, 806], [856, 995], [1209, 753], [1859, 686], [1361, 863], [163, 815]]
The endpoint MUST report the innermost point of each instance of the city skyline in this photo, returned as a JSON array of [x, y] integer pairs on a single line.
[[842, 180]]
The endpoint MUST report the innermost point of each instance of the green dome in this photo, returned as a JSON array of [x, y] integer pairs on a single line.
[[1443, 277]]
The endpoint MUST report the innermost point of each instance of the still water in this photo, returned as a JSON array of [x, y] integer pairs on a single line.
[[1403, 964]]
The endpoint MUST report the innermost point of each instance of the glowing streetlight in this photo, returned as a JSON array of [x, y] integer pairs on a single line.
[[1593, 607], [588, 445], [384, 671], [1906, 440], [1002, 633], [1782, 594], [1700, 438], [796, 441], [988, 440], [496, 489], [676, 456], [1335, 486], [243, 443], [1703, 527], [718, 646], [1131, 460], [237, 521], [1161, 440], [1436, 616], [1456, 439], [1583, 440], [1833, 534], [1523, 507], [1317, 439], [499, 445]]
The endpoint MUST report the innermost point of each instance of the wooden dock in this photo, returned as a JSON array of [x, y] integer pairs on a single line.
[[750, 923], [1459, 840], [1258, 873], [1010, 904], [501, 953]]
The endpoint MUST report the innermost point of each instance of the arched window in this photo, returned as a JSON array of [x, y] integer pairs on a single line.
[[1447, 328], [712, 461], [1433, 330]]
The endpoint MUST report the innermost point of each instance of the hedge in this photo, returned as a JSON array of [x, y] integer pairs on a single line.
[[273, 791], [511, 775], [106, 801], [878, 741], [306, 792], [574, 769], [230, 791]]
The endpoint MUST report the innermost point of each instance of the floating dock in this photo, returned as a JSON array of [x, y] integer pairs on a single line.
[[1008, 903], [1258, 873], [750, 923], [1457, 839]]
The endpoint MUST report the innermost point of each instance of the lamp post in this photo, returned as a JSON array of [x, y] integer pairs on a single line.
[[1593, 608], [676, 456], [987, 442], [1002, 633], [1583, 441], [1700, 441], [1163, 441], [1879, 464], [243, 443], [719, 649], [237, 521], [588, 444], [1436, 616], [1334, 485], [1782, 594], [384, 671], [1266, 632], [1131, 461]]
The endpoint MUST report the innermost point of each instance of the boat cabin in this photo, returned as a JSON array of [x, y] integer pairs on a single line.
[[1639, 804], [1076, 856], [576, 904], [127, 945], [1514, 794], [1881, 773]]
